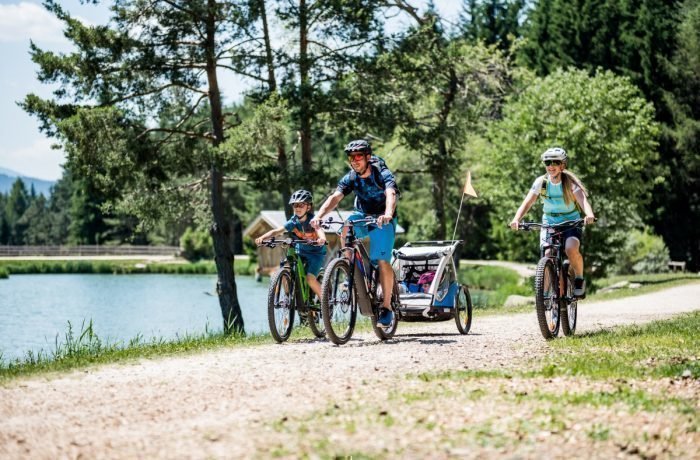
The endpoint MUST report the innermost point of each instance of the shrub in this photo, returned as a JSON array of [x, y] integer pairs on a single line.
[[643, 252], [196, 245]]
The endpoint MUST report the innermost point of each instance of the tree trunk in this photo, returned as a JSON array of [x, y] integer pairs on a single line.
[[440, 188], [220, 228], [282, 162], [304, 90]]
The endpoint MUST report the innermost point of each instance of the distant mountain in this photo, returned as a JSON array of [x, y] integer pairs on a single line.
[[8, 177]]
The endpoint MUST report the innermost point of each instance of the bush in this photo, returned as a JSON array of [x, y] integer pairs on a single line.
[[643, 252], [196, 245]]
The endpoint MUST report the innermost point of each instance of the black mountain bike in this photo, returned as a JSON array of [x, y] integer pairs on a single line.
[[555, 301], [352, 282], [289, 292]]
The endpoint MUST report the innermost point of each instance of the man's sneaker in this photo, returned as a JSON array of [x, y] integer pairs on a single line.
[[580, 288], [385, 318]]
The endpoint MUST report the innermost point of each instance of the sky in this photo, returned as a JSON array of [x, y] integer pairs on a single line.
[[23, 148]]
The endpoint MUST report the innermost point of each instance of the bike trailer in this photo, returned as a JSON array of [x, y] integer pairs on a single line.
[[427, 279]]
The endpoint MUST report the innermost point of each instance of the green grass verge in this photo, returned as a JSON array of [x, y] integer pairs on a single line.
[[23, 267], [4, 273], [79, 349]]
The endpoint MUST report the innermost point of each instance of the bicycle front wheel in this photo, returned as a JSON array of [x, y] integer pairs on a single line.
[[546, 298], [338, 302], [569, 306], [280, 305]]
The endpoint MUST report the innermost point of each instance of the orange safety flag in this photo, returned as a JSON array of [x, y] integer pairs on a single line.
[[468, 189]]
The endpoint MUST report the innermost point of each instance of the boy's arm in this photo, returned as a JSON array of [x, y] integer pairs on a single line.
[[273, 232], [321, 236]]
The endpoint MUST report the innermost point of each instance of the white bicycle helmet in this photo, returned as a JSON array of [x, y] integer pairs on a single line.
[[554, 153]]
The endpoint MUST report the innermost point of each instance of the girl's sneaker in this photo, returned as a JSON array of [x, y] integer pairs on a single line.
[[580, 288]]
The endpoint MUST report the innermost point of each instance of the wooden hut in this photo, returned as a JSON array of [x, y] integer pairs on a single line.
[[269, 258]]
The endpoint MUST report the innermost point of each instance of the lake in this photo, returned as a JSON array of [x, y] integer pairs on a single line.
[[35, 309]]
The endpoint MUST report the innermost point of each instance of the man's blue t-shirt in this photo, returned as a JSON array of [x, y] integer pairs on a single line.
[[369, 192], [304, 230]]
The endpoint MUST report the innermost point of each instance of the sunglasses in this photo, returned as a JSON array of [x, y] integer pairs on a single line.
[[298, 205], [355, 156], [552, 162]]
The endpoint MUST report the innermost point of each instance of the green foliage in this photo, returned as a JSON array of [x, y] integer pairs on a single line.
[[494, 22], [643, 252], [609, 133], [4, 274], [196, 245]]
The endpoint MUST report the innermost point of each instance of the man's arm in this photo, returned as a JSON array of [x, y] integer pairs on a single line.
[[390, 207], [329, 205]]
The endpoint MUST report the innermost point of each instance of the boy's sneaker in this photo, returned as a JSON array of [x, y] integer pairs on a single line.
[[580, 288], [385, 318]]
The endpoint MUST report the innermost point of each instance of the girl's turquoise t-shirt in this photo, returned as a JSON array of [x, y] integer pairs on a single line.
[[555, 208]]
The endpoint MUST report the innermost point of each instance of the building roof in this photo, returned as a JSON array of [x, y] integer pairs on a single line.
[[275, 219]]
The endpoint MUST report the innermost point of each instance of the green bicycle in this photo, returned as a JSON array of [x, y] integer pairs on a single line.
[[289, 292]]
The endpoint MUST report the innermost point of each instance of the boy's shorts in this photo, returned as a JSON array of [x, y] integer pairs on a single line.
[[381, 240], [313, 263]]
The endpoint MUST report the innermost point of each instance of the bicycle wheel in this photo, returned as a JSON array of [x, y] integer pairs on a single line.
[[280, 305], [338, 302], [385, 333], [568, 309], [463, 312], [546, 302], [315, 317]]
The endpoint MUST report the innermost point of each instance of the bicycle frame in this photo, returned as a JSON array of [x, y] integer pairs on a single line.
[[361, 276]]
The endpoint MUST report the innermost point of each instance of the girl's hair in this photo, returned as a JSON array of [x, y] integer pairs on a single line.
[[567, 178]]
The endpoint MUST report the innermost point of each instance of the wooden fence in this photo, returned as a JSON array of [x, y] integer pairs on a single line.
[[87, 250]]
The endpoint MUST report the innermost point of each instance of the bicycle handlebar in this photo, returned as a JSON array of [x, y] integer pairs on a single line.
[[272, 243], [348, 223], [527, 226]]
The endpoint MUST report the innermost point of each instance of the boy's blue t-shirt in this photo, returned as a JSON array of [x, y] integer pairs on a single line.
[[369, 192], [304, 230]]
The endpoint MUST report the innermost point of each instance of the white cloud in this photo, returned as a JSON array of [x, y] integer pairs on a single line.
[[22, 21], [38, 160]]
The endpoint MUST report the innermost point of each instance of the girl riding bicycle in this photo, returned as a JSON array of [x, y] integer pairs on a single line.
[[564, 197], [302, 202]]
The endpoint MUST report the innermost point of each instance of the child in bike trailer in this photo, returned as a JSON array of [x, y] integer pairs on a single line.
[[564, 197], [375, 195], [299, 225]]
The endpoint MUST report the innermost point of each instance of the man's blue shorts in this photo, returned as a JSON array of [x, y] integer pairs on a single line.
[[381, 240], [313, 263]]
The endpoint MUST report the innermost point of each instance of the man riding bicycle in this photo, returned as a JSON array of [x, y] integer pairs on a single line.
[[375, 195], [564, 198]]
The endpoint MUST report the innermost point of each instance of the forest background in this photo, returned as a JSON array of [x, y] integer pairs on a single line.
[[154, 157]]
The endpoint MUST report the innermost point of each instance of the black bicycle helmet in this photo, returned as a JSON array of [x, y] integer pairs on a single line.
[[359, 145], [301, 196]]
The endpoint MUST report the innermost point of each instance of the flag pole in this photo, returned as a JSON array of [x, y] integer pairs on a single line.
[[458, 214], [467, 190]]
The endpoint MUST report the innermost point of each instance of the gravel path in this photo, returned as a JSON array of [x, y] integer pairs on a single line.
[[215, 404]]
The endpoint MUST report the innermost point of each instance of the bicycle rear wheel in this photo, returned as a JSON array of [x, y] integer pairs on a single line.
[[385, 333], [569, 308], [463, 310], [280, 305], [546, 298], [338, 302], [315, 316]]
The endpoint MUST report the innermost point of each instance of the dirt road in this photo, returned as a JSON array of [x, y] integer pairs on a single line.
[[226, 404]]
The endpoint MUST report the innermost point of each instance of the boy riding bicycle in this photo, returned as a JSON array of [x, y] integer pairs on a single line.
[[564, 196], [375, 195], [312, 255]]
